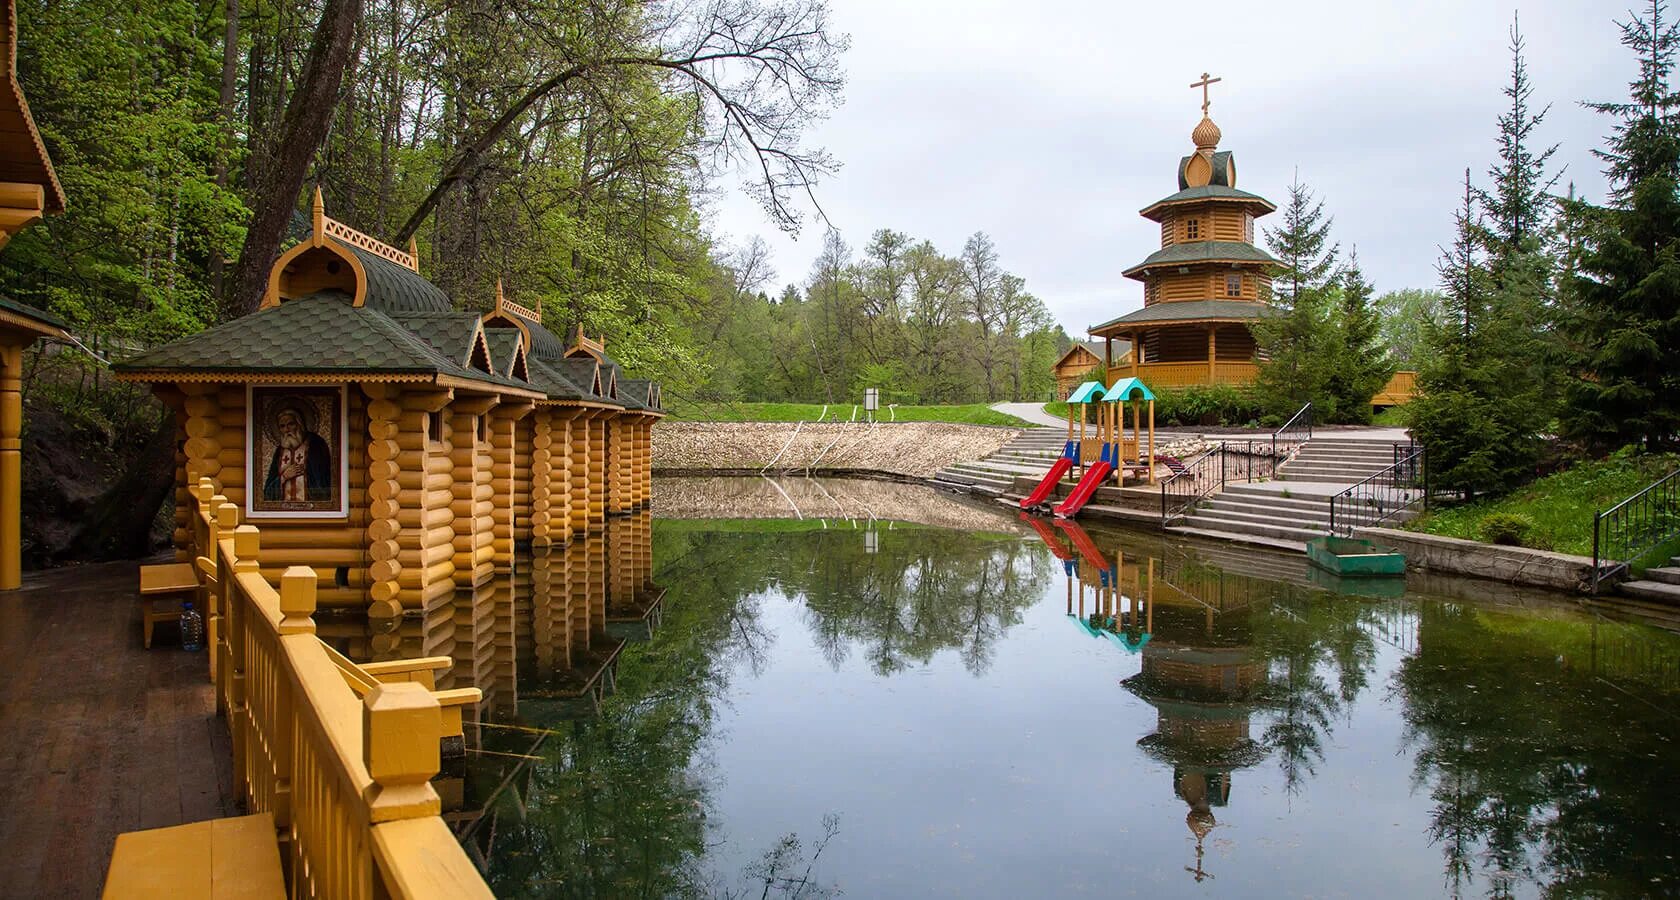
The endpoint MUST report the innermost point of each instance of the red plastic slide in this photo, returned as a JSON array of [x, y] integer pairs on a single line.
[[1048, 535], [1094, 477], [1087, 547], [1051, 479]]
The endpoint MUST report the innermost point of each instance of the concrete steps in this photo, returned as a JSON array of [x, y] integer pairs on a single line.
[[1240, 537], [1332, 460], [1270, 515], [1667, 574], [1031, 454], [1660, 591]]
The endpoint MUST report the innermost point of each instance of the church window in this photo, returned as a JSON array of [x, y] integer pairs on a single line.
[[434, 426], [1192, 229], [1233, 285], [1248, 227]]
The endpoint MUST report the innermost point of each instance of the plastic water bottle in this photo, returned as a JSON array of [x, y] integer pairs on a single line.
[[192, 628]]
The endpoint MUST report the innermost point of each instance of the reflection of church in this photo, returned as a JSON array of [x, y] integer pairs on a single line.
[[1192, 625], [1203, 676]]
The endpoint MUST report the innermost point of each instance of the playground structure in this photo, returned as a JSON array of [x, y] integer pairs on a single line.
[[1108, 449]]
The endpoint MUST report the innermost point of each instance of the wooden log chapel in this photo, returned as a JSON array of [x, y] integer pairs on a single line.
[[395, 445]]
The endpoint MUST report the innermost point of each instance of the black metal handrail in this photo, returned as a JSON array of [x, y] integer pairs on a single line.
[[1383, 495], [1634, 527], [1202, 475], [1298, 430]]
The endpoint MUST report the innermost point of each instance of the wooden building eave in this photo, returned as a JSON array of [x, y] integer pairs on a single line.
[[1141, 272], [482, 387], [1160, 209], [165, 376], [34, 327], [1145, 326]]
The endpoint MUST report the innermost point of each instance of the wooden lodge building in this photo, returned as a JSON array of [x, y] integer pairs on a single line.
[[1206, 285], [394, 444], [1080, 359]]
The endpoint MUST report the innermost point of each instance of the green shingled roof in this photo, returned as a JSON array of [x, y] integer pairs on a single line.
[[320, 332], [1192, 311], [449, 333], [1202, 251], [552, 383], [583, 373], [394, 289], [309, 334], [639, 390], [504, 348], [1209, 192], [544, 343], [40, 315]]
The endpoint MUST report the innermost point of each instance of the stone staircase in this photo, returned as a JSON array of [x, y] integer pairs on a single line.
[[1286, 513], [1661, 584], [1343, 461], [1030, 453]]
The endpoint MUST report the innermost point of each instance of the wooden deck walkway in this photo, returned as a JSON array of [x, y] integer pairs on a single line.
[[105, 737]]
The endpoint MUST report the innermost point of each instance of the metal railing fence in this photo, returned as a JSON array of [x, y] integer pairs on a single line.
[[1634, 527]]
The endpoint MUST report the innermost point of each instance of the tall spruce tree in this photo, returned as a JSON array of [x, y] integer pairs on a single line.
[[1622, 325], [1361, 364], [1488, 388], [1450, 415], [1298, 340]]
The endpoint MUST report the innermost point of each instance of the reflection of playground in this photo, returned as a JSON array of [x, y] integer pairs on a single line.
[[1200, 669], [821, 498]]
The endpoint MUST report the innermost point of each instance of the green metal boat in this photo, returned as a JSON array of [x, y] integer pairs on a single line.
[[1355, 558]]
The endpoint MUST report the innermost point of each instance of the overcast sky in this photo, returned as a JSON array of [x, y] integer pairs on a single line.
[[1048, 125]]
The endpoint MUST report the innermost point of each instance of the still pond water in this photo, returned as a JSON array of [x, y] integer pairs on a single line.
[[827, 705]]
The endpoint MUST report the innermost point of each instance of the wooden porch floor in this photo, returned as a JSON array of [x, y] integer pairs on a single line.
[[104, 737]]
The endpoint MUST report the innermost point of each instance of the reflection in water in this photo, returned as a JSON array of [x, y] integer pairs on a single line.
[[790, 715]]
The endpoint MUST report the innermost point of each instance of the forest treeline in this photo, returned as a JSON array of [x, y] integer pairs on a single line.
[[898, 316], [565, 149]]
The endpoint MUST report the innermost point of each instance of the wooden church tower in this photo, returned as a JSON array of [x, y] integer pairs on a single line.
[[1206, 283]]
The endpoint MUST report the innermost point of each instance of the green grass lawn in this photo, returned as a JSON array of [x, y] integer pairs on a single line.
[[1391, 417], [967, 414], [1561, 506]]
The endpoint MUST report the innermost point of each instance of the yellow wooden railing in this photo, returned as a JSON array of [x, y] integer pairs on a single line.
[[342, 758], [1399, 389], [1184, 374]]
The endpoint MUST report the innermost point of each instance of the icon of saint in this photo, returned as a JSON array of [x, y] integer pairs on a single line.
[[301, 467]]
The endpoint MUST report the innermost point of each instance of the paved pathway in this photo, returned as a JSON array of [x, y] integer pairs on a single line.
[[1031, 412]]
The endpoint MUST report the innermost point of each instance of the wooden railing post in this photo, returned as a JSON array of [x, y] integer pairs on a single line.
[[297, 600], [246, 545], [401, 725], [226, 520]]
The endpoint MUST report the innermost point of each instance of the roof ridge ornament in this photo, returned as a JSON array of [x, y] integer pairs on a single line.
[[504, 305], [322, 227]]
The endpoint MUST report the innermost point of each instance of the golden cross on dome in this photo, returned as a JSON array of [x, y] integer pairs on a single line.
[[1203, 84]]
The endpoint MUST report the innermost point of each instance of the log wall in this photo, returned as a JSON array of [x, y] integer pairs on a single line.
[[441, 489]]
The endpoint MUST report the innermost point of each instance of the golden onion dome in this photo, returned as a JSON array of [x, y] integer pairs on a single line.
[[1207, 135]]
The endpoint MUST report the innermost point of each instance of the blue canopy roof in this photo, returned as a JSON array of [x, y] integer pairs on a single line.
[[1089, 392], [1128, 389]]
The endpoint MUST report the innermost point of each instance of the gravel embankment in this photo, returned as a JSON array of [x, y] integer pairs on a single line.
[[912, 449], [836, 498]]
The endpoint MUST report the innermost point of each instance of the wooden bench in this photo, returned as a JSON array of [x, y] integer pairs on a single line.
[[161, 582], [236, 858]]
